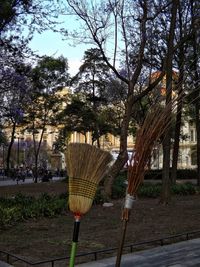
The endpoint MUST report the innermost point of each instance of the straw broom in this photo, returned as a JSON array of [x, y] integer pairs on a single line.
[[86, 166], [154, 126]]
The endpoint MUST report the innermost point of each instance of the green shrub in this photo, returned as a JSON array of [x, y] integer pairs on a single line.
[[24, 207], [9, 215], [184, 189], [149, 190], [23, 200], [119, 186], [99, 198]]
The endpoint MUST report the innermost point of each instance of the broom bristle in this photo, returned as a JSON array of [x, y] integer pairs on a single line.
[[154, 126], [86, 166]]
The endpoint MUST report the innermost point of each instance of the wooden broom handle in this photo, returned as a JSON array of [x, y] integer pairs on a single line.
[[121, 244]]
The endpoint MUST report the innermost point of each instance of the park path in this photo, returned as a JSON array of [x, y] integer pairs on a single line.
[[4, 181], [182, 254]]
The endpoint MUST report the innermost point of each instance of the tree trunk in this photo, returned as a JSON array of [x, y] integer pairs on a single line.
[[194, 5], [179, 108], [10, 149], [176, 143], [197, 108], [165, 194], [166, 184], [122, 157], [36, 170]]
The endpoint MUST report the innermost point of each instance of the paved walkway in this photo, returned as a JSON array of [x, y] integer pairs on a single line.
[[3, 264], [7, 181], [182, 254]]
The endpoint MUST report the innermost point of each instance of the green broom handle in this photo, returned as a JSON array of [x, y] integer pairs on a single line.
[[74, 243], [73, 254]]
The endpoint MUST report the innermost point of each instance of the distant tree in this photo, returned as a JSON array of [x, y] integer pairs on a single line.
[[18, 87], [79, 116], [183, 29], [92, 82], [122, 31], [165, 195], [48, 77]]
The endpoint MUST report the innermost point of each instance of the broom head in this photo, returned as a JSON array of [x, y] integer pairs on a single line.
[[86, 166]]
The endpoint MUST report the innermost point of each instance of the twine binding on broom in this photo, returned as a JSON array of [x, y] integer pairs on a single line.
[[81, 187]]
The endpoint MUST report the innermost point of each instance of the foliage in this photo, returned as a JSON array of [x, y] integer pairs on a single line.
[[119, 186], [48, 77], [154, 190], [149, 190], [62, 140], [23, 207], [50, 74], [19, 19], [77, 116], [15, 90], [92, 88], [184, 189], [146, 37]]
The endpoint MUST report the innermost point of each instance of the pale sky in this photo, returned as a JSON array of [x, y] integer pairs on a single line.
[[51, 44]]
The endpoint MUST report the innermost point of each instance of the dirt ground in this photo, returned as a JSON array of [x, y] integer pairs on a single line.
[[51, 238]]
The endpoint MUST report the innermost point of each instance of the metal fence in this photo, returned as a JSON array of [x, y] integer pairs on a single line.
[[95, 255]]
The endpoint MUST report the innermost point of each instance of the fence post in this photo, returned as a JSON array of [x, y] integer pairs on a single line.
[[95, 256], [8, 258]]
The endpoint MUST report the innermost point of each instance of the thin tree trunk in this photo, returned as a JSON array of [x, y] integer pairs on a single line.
[[178, 119], [181, 61], [194, 4], [165, 194], [197, 108], [10, 149], [176, 143], [122, 157], [37, 149]]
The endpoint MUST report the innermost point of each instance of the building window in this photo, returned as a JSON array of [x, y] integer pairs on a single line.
[[45, 143], [194, 158], [78, 137], [187, 160], [192, 135]]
